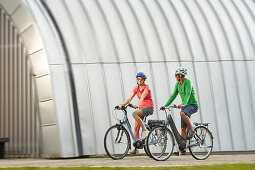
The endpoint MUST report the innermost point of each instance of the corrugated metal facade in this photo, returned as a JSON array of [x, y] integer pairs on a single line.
[[109, 41], [19, 109]]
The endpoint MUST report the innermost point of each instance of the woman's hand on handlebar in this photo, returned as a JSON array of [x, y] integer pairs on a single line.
[[123, 107], [119, 107], [135, 106]]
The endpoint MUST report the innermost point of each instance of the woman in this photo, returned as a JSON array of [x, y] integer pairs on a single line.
[[145, 105]]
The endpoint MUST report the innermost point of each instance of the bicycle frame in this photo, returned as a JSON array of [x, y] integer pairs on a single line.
[[178, 137], [126, 121]]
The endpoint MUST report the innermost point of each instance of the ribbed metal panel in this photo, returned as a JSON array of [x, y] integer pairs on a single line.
[[106, 43], [110, 41], [19, 110]]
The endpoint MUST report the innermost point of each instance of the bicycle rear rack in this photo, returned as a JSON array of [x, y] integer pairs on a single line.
[[201, 124]]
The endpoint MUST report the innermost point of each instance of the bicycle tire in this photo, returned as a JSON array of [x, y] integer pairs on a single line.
[[117, 134], [146, 150], [162, 139], [198, 146]]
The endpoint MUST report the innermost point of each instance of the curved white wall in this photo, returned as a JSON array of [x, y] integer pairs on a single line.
[[108, 42], [48, 62]]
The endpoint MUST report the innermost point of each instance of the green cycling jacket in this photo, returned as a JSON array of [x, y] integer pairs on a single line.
[[186, 91]]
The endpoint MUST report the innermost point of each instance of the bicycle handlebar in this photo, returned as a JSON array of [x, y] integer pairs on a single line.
[[169, 107], [124, 107], [173, 106]]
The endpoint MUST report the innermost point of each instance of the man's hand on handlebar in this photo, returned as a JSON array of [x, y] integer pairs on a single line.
[[180, 106], [162, 108]]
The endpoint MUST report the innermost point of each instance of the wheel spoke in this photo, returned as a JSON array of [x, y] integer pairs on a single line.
[[116, 142], [160, 143], [201, 145]]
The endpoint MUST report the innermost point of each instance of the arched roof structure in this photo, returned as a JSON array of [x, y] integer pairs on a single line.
[[93, 49]]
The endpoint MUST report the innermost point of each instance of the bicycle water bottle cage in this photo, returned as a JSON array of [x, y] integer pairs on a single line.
[[201, 124]]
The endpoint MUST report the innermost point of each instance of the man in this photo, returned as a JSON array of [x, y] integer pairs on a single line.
[[189, 104]]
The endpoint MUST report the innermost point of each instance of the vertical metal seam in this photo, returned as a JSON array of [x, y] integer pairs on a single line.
[[6, 80], [87, 79], [245, 63], [231, 55], [10, 83], [208, 66], [170, 30], [47, 18], [244, 23], [176, 47], [30, 72], [19, 94], [248, 9], [160, 43], [26, 104], [147, 50], [116, 55], [191, 52], [220, 62], [14, 78], [1, 72], [80, 49], [70, 76], [126, 33], [99, 56]]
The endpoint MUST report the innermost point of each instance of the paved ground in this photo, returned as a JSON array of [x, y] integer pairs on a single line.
[[129, 161]]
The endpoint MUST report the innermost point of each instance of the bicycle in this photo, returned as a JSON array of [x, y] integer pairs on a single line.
[[160, 141], [117, 140]]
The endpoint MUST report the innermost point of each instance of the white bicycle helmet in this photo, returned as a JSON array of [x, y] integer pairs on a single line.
[[181, 70]]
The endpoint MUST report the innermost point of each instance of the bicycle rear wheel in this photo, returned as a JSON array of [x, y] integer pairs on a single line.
[[201, 145], [117, 142], [160, 143]]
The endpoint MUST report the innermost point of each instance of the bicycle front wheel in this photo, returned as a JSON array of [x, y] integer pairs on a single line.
[[117, 142], [146, 151], [160, 143], [201, 145]]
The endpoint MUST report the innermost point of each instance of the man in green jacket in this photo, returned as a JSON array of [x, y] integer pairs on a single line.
[[189, 104]]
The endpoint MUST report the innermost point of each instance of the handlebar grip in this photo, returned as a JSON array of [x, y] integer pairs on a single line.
[[117, 107], [130, 105]]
